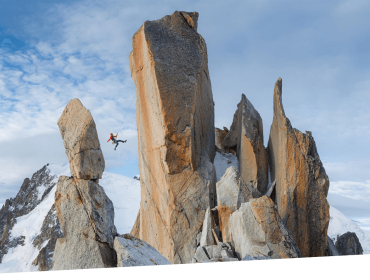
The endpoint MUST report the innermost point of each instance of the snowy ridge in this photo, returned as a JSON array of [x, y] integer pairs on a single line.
[[20, 258], [125, 195], [123, 191]]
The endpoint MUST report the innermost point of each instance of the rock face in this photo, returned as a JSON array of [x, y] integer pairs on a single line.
[[301, 182], [257, 230], [86, 216], [136, 228], [220, 135], [81, 142], [175, 121], [50, 232], [348, 244], [246, 133], [232, 191], [85, 213], [331, 249], [207, 235], [132, 251], [31, 194]]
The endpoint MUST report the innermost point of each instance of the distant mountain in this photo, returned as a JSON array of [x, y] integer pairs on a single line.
[[29, 225]]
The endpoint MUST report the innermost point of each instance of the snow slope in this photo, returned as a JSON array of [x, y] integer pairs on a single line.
[[340, 224], [354, 209], [123, 191], [20, 258], [125, 195]]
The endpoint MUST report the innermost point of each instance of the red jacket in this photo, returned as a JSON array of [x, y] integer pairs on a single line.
[[111, 137]]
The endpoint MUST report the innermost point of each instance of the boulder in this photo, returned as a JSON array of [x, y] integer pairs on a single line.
[[176, 134], [301, 182], [213, 251], [246, 133], [232, 191], [81, 141], [331, 250], [86, 216], [258, 230], [200, 254], [348, 244], [131, 251]]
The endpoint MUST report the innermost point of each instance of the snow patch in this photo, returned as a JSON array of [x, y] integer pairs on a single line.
[[58, 170], [223, 161]]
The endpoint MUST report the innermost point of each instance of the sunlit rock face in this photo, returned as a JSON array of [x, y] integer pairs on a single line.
[[246, 137], [301, 182], [175, 121], [78, 130]]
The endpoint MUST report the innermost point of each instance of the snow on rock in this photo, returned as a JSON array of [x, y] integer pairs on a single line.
[[223, 161], [123, 191], [20, 258], [340, 224]]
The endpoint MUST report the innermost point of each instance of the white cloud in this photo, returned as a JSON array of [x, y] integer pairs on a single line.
[[354, 190], [80, 50]]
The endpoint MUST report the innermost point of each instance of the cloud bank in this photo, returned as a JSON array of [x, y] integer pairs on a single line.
[[79, 49]]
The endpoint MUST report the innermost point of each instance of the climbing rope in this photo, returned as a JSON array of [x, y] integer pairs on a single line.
[[124, 118]]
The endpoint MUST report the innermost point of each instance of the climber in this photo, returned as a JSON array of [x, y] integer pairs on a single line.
[[114, 141]]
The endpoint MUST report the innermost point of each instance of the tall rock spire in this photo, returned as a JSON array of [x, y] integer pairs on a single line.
[[246, 136], [175, 121], [85, 212], [301, 182]]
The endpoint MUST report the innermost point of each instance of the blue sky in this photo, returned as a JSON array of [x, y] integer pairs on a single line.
[[61, 50]]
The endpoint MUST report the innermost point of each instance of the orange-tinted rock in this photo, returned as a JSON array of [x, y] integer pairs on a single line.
[[175, 121], [78, 130], [257, 230], [301, 182], [246, 133]]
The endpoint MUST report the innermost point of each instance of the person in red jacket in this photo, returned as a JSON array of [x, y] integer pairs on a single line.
[[114, 141]]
